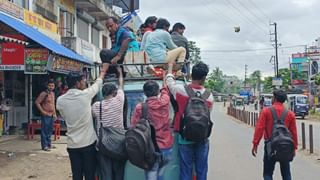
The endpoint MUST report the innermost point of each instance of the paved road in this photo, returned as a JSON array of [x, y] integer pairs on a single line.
[[230, 154], [316, 129]]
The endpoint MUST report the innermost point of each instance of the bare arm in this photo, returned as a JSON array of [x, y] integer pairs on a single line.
[[38, 102], [120, 77]]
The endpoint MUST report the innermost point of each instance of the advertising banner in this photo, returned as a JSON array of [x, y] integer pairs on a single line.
[[11, 8], [36, 61], [37, 20], [12, 57], [64, 65]]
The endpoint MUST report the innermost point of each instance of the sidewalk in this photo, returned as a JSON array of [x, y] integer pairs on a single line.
[[23, 159]]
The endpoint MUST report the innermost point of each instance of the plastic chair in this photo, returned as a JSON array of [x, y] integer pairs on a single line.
[[32, 126]]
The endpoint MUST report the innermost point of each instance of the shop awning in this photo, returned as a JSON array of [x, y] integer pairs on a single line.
[[42, 39], [9, 39]]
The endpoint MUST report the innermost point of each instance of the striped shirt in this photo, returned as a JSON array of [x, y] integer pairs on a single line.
[[112, 111]]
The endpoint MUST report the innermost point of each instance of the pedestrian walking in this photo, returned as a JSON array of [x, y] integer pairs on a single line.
[[75, 108], [193, 153], [111, 116], [45, 103], [158, 102], [266, 126]]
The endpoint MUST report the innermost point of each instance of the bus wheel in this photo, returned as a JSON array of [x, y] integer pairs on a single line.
[[303, 116]]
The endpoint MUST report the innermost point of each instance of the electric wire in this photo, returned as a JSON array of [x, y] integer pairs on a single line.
[[252, 13], [248, 50], [245, 17], [264, 14]]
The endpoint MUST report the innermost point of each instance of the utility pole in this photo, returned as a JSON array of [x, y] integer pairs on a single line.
[[131, 6], [276, 47], [245, 75]]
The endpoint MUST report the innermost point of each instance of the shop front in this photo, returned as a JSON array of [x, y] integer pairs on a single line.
[[25, 69], [13, 91]]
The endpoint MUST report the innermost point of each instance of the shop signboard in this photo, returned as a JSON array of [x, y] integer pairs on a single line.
[[64, 65], [11, 8], [34, 19], [69, 5], [36, 61], [12, 57]]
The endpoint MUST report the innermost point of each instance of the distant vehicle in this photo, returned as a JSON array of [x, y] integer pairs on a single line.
[[299, 104], [267, 102]]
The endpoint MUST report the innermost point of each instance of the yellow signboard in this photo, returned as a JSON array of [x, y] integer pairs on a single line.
[[68, 4], [11, 8], [37, 20]]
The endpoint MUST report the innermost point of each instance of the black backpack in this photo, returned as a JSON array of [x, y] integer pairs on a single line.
[[196, 124], [280, 146], [141, 142]]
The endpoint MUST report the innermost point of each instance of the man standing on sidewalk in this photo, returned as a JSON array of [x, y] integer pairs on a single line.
[[45, 102], [75, 107], [264, 128]]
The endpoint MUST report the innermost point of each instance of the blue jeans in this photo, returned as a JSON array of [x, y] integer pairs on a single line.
[[268, 168], [196, 154], [157, 172], [46, 131]]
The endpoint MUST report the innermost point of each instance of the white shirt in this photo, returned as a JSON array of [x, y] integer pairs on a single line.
[[75, 108]]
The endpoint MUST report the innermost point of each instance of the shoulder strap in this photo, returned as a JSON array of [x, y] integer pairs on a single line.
[[206, 94], [189, 90], [100, 112], [145, 110], [284, 115], [274, 114]]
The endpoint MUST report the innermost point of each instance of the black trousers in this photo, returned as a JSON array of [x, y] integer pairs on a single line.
[[110, 169], [106, 56], [83, 162]]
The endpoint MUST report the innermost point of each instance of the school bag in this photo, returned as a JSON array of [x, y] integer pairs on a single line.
[[196, 124], [280, 146], [141, 144], [111, 141]]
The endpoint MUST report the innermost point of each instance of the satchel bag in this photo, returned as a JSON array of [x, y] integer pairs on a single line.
[[136, 57], [111, 141]]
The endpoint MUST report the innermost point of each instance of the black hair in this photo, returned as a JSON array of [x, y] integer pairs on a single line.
[[177, 26], [280, 95], [150, 20], [114, 19], [162, 23], [50, 81], [108, 89], [151, 88], [199, 71], [73, 78]]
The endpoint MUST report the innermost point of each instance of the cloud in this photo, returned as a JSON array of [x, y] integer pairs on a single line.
[[210, 23]]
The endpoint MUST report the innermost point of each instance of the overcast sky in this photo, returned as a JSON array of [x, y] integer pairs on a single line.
[[211, 24]]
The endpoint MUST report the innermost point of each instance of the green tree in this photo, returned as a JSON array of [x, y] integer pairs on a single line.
[[215, 80], [267, 84], [255, 80], [194, 52]]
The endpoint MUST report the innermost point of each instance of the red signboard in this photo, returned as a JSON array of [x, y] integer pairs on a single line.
[[12, 56]]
